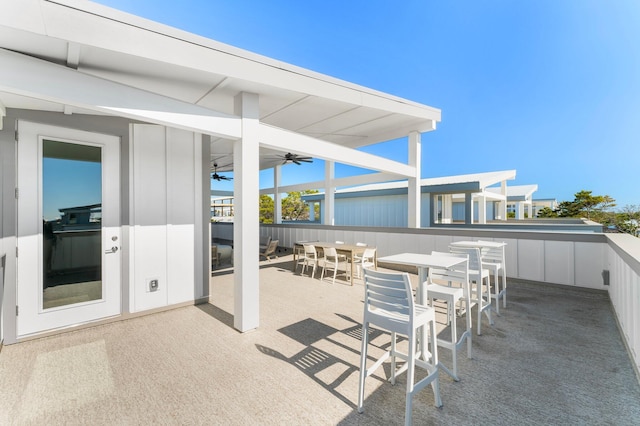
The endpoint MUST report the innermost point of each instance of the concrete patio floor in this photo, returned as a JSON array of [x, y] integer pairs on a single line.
[[555, 356]]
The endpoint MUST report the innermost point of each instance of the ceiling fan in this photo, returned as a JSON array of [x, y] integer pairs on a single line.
[[295, 158], [216, 176]]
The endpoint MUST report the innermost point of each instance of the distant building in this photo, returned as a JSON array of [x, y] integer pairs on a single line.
[[541, 203], [222, 206], [472, 198]]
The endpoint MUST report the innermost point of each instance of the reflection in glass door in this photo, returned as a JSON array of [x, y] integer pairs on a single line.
[[72, 232]]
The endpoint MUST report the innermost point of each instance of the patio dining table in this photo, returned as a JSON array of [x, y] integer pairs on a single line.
[[350, 250], [423, 262]]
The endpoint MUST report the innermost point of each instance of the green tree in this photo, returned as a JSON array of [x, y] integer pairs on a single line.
[[266, 209], [594, 207], [628, 220], [546, 212], [293, 208]]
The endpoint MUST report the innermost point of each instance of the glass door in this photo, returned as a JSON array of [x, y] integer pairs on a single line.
[[68, 227]]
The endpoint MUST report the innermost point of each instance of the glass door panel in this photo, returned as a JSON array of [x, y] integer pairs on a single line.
[[72, 232]]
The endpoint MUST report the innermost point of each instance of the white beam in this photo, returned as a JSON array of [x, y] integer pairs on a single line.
[[35, 78], [246, 219], [337, 183], [287, 141]]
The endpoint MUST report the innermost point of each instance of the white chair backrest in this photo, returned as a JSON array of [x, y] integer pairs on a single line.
[[330, 253], [390, 292], [456, 274], [369, 253], [475, 262], [493, 254], [310, 250]]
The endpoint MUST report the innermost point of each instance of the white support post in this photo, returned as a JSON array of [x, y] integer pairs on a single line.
[[530, 210], [277, 197], [482, 209], [329, 193], [3, 113], [503, 204], [413, 194], [246, 220], [519, 210], [425, 210], [447, 208], [468, 208], [312, 211]]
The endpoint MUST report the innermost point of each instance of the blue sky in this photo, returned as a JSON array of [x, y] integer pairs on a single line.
[[550, 88]]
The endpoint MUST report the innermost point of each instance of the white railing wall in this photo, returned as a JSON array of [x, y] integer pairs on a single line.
[[597, 261], [623, 255], [558, 258]]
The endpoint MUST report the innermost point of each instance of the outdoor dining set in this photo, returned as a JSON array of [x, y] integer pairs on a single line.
[[471, 274], [459, 278]]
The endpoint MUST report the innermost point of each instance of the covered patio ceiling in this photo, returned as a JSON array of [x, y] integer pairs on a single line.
[[158, 59]]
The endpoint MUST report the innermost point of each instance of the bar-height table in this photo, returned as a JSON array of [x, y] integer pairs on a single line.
[[485, 247], [423, 262]]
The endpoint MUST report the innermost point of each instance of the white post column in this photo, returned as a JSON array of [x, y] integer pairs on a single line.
[[3, 113], [425, 210], [519, 210], [468, 208], [482, 209], [530, 210], [329, 193], [246, 228], [312, 211], [447, 208], [413, 194], [277, 197], [503, 204]]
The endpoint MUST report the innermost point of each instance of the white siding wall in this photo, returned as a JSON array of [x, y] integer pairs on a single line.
[[166, 225], [387, 211]]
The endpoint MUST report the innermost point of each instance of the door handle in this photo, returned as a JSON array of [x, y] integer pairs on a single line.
[[111, 250]]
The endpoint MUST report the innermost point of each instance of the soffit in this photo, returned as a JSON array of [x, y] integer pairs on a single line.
[[153, 57]]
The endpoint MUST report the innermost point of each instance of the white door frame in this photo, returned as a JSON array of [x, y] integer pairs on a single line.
[[31, 317]]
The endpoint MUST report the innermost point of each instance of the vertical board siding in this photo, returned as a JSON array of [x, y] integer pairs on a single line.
[[149, 231], [165, 216]]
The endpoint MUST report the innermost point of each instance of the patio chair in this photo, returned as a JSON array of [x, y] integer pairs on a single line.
[[493, 259], [366, 260], [480, 294], [440, 287], [264, 242], [389, 305], [333, 260], [270, 250], [309, 257], [215, 256]]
